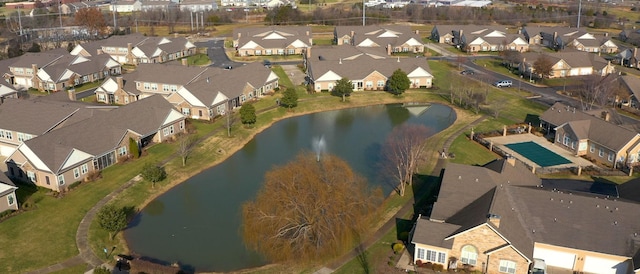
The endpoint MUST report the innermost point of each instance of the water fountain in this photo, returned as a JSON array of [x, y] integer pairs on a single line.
[[319, 146]]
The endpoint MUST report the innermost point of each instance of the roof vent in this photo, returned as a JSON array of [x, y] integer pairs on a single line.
[[398, 59], [555, 220], [476, 180], [615, 223], [534, 231], [459, 177], [340, 62], [597, 206]]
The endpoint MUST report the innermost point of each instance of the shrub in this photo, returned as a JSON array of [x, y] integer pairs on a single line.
[[93, 175], [404, 236], [397, 248], [438, 267], [419, 263], [101, 270], [74, 185], [428, 265]]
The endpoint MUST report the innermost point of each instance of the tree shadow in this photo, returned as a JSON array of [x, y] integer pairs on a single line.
[[362, 256], [425, 193], [24, 193], [533, 119], [403, 227]]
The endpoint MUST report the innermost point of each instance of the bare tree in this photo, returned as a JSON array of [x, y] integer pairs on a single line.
[[598, 91], [402, 151], [92, 19], [543, 66], [308, 209], [185, 146]]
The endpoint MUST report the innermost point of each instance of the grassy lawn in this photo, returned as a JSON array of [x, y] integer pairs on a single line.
[[470, 153], [82, 268], [323, 42], [87, 86], [199, 59]]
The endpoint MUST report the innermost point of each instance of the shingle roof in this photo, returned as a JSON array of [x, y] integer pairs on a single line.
[[273, 36], [170, 74], [382, 35], [34, 116], [433, 233], [38, 58], [102, 132], [599, 131]]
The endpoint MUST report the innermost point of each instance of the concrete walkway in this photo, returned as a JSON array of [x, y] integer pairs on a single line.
[[404, 211]]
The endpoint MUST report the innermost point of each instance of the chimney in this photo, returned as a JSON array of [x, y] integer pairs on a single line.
[[606, 115], [185, 62], [129, 56], [352, 34], [417, 32], [340, 62], [511, 160], [606, 34], [120, 82], [308, 52], [307, 33], [388, 49], [494, 219], [72, 94], [239, 35]]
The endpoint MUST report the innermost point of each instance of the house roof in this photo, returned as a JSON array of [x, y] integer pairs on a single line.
[[578, 221], [272, 37], [35, 116], [122, 40], [599, 131], [40, 59], [574, 58], [6, 185], [101, 133], [470, 194], [632, 82], [381, 35], [468, 29], [433, 233], [360, 64], [166, 73]]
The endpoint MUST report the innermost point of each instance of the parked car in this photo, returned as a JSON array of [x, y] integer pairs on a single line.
[[539, 266], [467, 72], [228, 67], [503, 83], [267, 63]]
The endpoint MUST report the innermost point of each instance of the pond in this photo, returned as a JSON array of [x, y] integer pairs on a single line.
[[197, 223]]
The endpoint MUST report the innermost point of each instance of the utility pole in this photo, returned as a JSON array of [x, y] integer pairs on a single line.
[[191, 13], [20, 23], [115, 23], [579, 13], [60, 12], [363, 14]]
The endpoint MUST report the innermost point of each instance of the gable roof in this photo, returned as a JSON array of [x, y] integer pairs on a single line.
[[597, 130], [36, 116], [379, 35], [167, 74], [273, 37]]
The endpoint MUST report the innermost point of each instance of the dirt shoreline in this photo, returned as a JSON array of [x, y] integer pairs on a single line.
[[356, 100]]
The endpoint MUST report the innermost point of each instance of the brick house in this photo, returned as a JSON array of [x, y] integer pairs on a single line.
[[568, 63], [8, 199], [498, 217], [70, 153], [366, 68]]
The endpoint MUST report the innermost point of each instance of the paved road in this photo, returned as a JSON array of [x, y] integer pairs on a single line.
[[85, 94], [216, 53]]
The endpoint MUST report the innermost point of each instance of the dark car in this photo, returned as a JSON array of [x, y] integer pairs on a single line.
[[267, 63], [228, 67], [467, 72]]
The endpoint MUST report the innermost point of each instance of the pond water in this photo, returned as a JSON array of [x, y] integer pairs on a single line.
[[197, 223]]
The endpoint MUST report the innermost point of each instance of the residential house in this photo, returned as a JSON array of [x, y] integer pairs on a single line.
[[69, 71], [476, 38], [7, 91], [568, 63], [631, 36], [126, 6], [216, 91], [393, 38], [21, 120], [70, 153], [234, 3], [366, 68], [632, 84], [23, 69], [629, 58], [8, 199], [199, 93], [73, 7], [499, 217], [595, 137], [198, 5], [274, 40], [558, 38], [136, 48], [147, 80]]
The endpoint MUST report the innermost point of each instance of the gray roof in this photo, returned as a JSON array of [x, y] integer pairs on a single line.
[[257, 34], [632, 82], [169, 74], [360, 65], [361, 33], [599, 131], [40, 59], [573, 58], [35, 116], [122, 40], [433, 233], [102, 132], [469, 29]]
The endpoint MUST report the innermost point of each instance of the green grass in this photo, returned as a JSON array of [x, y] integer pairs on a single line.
[[323, 42], [199, 59], [470, 153], [86, 86], [81, 268]]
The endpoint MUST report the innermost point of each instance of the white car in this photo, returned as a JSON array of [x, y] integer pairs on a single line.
[[503, 83]]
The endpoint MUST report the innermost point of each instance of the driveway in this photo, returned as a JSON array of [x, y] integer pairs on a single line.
[[216, 53]]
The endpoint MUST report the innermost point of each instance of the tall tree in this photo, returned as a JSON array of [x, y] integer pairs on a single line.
[[543, 66], [343, 88], [289, 98], [248, 114], [134, 149], [308, 209], [402, 151], [398, 83], [92, 19], [112, 219]]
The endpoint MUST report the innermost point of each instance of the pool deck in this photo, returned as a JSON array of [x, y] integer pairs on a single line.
[[501, 141]]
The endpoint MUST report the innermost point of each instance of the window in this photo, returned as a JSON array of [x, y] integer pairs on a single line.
[[122, 151], [46, 179], [76, 173], [20, 137], [186, 111], [126, 99], [507, 266], [174, 88], [61, 180], [32, 176], [28, 137], [181, 125], [84, 169], [1, 133], [147, 86], [610, 158], [469, 255], [280, 51], [154, 86], [573, 144], [8, 135], [600, 152], [421, 254], [101, 97], [291, 51], [380, 83], [11, 199], [165, 88], [267, 52], [592, 148], [165, 131], [431, 255], [369, 84], [243, 98], [566, 140], [258, 52], [171, 129]]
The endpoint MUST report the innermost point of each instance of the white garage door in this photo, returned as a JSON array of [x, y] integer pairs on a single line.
[[604, 266], [555, 258], [5, 151], [21, 81]]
